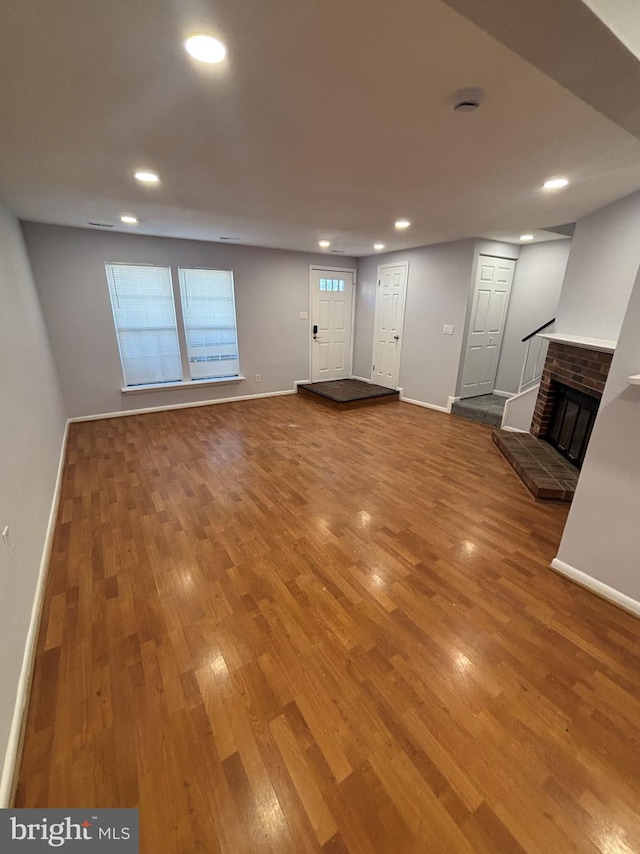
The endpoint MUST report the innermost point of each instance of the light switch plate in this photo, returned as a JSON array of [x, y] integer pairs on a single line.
[[304, 315], [447, 330]]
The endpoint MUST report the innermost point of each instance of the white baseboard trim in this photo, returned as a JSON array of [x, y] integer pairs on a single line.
[[513, 430], [152, 388], [450, 402], [126, 412], [598, 587], [422, 403], [503, 393], [16, 731], [362, 379]]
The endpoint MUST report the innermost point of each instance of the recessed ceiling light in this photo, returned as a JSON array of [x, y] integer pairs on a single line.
[[527, 237], [402, 223], [205, 48], [378, 246], [324, 244], [555, 183], [146, 177], [129, 219]]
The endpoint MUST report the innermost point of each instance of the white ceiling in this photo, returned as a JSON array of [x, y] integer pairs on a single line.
[[328, 119], [622, 17]]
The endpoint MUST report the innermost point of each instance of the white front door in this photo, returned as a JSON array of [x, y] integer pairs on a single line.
[[486, 325], [331, 311], [389, 319]]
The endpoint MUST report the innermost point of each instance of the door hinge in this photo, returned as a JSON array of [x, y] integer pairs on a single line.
[[374, 367]]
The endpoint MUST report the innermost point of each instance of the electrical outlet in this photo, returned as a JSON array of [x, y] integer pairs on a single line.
[[258, 378], [447, 330], [6, 536]]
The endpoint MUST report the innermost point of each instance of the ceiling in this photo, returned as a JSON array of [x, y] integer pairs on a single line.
[[327, 120], [623, 18]]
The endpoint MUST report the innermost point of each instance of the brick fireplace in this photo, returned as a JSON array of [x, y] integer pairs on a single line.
[[570, 390], [582, 369]]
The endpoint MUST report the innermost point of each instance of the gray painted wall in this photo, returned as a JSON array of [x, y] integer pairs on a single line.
[[272, 288], [32, 425], [534, 300], [604, 259], [437, 292], [601, 534]]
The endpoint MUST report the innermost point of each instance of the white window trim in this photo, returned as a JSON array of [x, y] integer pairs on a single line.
[[141, 389], [177, 304], [182, 332]]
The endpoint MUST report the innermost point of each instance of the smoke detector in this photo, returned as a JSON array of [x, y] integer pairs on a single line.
[[467, 100]]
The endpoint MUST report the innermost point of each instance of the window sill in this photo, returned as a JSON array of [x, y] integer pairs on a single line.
[[143, 389]]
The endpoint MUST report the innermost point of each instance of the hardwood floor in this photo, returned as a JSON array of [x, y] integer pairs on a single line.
[[278, 628]]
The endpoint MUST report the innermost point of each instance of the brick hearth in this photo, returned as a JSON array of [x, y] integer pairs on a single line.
[[541, 468], [583, 370]]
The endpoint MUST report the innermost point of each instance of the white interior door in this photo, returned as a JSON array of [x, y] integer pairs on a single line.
[[389, 319], [331, 320], [486, 325]]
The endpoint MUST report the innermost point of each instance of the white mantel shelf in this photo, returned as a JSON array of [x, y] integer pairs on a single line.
[[634, 380], [600, 344]]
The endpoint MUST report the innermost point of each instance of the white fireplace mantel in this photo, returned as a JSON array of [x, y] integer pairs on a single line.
[[601, 344]]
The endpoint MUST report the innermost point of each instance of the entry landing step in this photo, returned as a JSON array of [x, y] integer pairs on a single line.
[[544, 472], [484, 409], [348, 394]]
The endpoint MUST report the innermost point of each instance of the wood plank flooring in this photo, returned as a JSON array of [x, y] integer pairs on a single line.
[[277, 628]]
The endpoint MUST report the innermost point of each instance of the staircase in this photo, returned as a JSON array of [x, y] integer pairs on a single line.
[[515, 413], [518, 410]]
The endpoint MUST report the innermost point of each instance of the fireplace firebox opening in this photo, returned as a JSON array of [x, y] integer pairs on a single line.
[[571, 423]]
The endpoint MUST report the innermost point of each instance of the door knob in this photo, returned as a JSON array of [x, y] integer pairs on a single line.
[[396, 337]]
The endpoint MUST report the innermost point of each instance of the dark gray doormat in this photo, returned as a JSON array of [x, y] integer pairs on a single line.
[[348, 394]]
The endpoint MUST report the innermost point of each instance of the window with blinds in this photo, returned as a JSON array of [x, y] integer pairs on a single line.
[[145, 319], [209, 313], [152, 348]]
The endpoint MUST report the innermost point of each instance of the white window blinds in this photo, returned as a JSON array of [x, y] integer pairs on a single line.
[[145, 319], [209, 312]]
